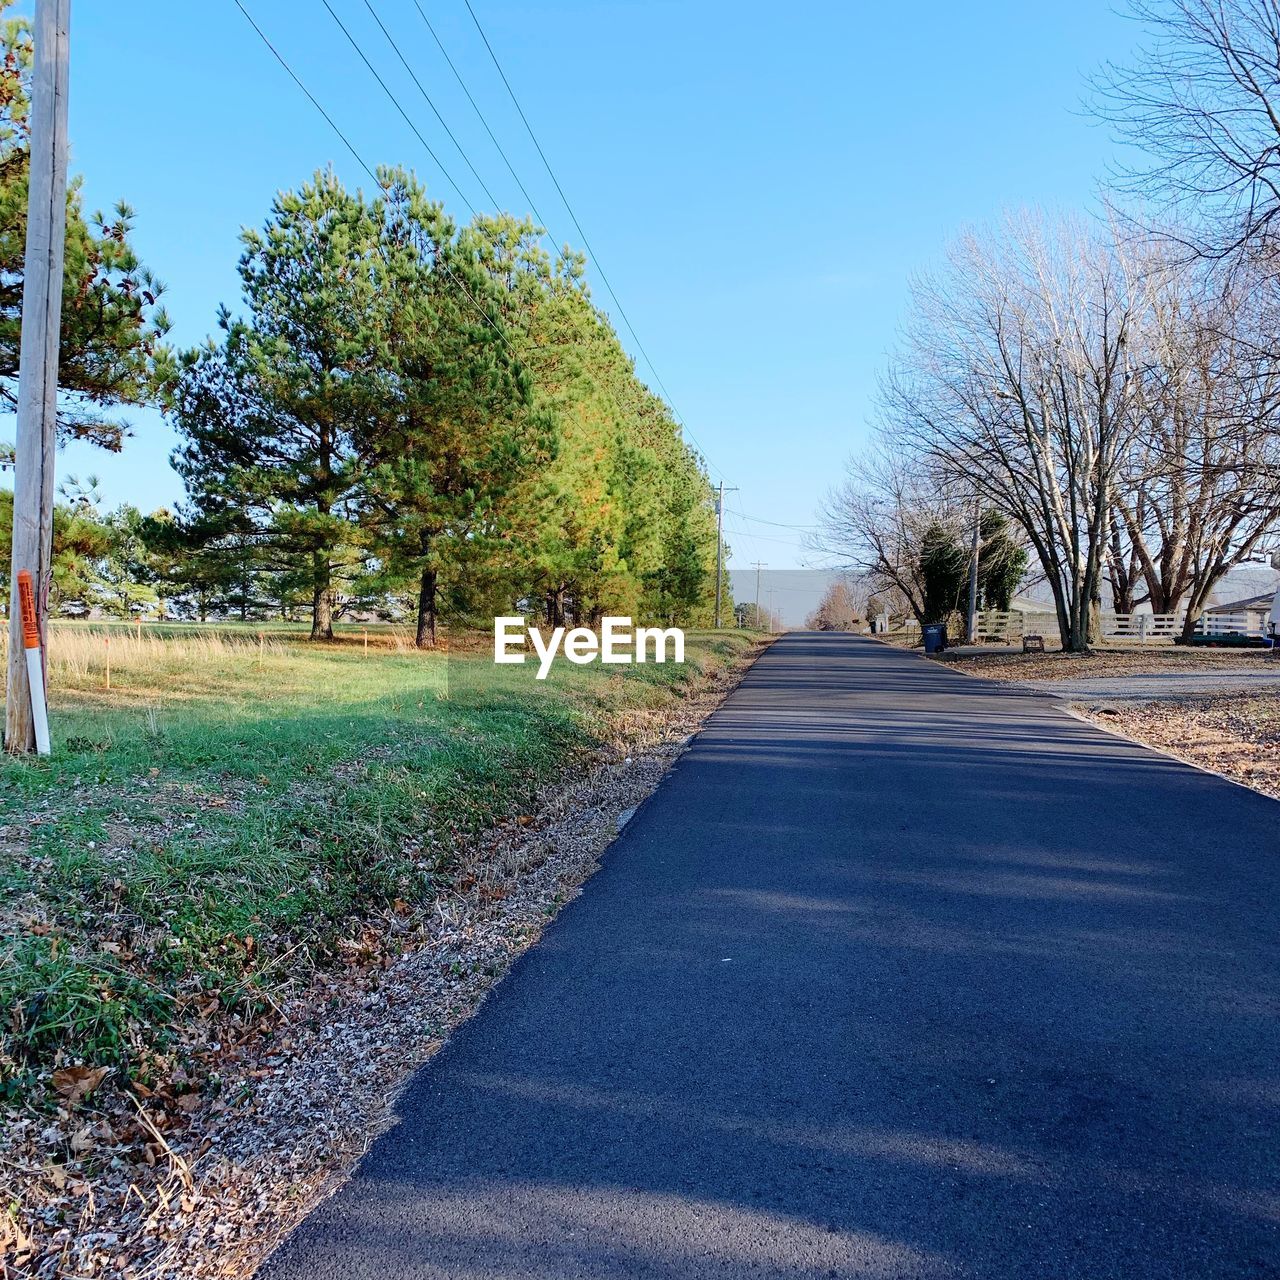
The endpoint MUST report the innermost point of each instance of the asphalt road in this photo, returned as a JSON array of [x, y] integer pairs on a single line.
[[899, 974]]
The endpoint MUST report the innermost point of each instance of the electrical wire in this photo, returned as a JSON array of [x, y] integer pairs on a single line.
[[427, 97], [360, 160], [760, 537], [457, 75], [777, 524], [586, 244], [346, 142], [373, 175], [396, 103]]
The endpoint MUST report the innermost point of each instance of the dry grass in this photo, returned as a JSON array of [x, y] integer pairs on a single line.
[[1101, 663]]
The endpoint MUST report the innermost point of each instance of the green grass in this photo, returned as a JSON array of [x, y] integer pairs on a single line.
[[229, 812]]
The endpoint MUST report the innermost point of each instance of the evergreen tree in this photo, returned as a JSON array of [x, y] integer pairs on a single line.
[[458, 433], [1002, 560], [112, 321], [944, 567], [271, 413]]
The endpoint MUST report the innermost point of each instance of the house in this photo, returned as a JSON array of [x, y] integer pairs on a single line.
[[1247, 617]]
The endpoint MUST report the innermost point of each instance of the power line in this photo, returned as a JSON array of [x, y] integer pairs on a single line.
[[346, 142], [760, 537], [360, 160], [457, 75], [413, 75], [396, 103], [586, 244], [803, 528]]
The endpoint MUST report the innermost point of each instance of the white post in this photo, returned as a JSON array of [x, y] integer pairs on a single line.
[[971, 616], [34, 657], [38, 360]]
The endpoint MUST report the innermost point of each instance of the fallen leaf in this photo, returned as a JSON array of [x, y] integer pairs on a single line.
[[74, 1083]]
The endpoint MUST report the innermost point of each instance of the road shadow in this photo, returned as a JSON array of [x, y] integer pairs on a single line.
[[902, 974]]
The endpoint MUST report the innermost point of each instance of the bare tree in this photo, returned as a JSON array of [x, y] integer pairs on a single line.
[[875, 523], [1201, 102], [1013, 380], [1196, 493], [836, 611]]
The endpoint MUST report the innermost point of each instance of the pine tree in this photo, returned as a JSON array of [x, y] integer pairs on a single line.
[[111, 350], [271, 413]]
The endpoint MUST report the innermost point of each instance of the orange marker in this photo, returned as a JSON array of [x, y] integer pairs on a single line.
[[27, 596], [35, 664]]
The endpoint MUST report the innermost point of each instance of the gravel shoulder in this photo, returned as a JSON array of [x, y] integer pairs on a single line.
[[1172, 662]]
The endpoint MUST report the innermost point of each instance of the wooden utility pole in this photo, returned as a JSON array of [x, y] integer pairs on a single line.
[[760, 564], [38, 359], [720, 545], [971, 618]]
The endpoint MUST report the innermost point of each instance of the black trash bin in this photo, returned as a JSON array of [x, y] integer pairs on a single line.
[[935, 637]]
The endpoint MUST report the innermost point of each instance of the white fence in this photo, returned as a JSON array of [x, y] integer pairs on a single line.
[[1250, 623], [1121, 628], [1135, 628]]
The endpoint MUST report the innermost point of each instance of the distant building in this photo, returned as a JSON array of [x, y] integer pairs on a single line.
[[1245, 582], [1249, 616]]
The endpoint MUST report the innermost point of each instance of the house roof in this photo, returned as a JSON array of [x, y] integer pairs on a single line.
[[1239, 606]]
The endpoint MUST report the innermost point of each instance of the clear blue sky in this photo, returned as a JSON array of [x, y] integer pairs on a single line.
[[758, 181]]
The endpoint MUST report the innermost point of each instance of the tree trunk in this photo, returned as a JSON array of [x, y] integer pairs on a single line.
[[555, 606], [321, 599], [426, 636]]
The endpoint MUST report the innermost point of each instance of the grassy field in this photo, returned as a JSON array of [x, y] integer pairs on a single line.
[[229, 809]]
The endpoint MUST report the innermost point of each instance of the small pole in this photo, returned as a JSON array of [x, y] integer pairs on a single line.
[[971, 630], [720, 545], [760, 564], [106, 640], [35, 661], [366, 639]]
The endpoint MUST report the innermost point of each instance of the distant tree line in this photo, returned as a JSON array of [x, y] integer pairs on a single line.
[[409, 411]]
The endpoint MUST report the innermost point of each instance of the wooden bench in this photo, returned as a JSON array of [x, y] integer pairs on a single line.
[[1033, 644]]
